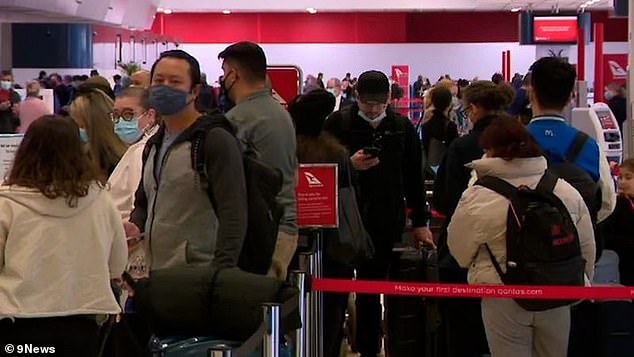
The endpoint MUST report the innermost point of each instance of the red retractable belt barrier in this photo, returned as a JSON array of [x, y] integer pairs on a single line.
[[473, 291]]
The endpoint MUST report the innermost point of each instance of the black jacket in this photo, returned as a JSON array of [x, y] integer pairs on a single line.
[[398, 176], [439, 127], [618, 105], [452, 179], [618, 232]]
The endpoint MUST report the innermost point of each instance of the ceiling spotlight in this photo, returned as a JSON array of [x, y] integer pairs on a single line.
[[583, 6], [516, 9], [167, 11], [226, 12], [159, 9], [311, 10]]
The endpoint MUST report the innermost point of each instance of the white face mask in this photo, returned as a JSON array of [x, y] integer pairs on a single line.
[[375, 121], [6, 85]]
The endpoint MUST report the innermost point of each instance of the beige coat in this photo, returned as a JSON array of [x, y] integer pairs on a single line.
[[481, 218]]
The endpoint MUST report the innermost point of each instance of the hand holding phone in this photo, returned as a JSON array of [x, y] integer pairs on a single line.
[[361, 161], [372, 151]]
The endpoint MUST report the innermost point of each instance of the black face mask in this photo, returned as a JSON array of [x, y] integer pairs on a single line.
[[225, 102]]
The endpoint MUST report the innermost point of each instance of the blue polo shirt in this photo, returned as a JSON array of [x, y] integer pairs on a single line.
[[555, 137]]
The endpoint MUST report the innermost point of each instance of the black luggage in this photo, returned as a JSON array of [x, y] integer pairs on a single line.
[[616, 328], [406, 316]]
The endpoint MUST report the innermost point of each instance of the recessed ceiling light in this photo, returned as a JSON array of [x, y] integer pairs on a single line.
[[226, 12], [516, 9], [167, 11], [159, 9], [583, 6], [311, 10]]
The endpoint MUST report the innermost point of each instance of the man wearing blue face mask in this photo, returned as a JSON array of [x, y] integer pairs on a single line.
[[181, 225], [387, 156]]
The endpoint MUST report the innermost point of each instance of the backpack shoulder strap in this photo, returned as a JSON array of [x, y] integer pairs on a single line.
[[576, 146], [198, 154], [498, 185], [495, 263], [547, 182], [511, 193]]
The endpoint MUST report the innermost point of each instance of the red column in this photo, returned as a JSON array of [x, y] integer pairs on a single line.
[[504, 65], [598, 62], [508, 66], [581, 55]]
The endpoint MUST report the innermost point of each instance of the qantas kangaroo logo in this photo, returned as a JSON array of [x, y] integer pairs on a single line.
[[312, 180], [617, 70]]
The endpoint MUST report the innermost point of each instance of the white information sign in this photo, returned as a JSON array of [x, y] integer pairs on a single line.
[[9, 144]]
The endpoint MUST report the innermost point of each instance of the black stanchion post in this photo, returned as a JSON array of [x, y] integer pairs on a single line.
[[317, 297]]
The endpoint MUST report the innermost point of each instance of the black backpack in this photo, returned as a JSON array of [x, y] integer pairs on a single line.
[[581, 180], [263, 184], [542, 244]]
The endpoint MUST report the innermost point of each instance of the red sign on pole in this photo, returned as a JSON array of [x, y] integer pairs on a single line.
[[316, 196], [400, 74], [614, 68]]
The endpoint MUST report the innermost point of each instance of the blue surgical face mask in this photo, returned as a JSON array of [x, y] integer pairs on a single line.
[[83, 136], [128, 131], [6, 85], [167, 100], [375, 121], [608, 95]]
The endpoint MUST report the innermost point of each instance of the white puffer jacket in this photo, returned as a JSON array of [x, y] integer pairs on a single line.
[[481, 218]]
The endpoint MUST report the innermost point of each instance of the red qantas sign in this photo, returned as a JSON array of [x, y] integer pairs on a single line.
[[555, 29]]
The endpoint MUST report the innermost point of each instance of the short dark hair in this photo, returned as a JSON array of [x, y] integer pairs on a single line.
[[488, 95], [194, 66], [441, 98], [249, 57], [497, 78], [6, 72], [116, 77], [507, 138], [553, 80], [50, 159]]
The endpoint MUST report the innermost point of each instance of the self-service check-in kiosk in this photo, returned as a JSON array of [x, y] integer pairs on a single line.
[[599, 122]]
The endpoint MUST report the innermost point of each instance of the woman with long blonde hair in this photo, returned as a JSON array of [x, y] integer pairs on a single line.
[[92, 110]]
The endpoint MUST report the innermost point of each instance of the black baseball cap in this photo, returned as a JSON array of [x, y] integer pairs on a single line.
[[373, 86]]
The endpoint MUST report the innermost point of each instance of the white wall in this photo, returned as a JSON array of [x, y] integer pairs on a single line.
[[460, 60]]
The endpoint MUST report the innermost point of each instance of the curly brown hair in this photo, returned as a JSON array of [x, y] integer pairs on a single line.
[[50, 159]]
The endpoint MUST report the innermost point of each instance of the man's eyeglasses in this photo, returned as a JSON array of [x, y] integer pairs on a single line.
[[126, 116]]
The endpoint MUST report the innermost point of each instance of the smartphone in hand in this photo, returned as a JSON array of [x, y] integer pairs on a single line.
[[373, 151]]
